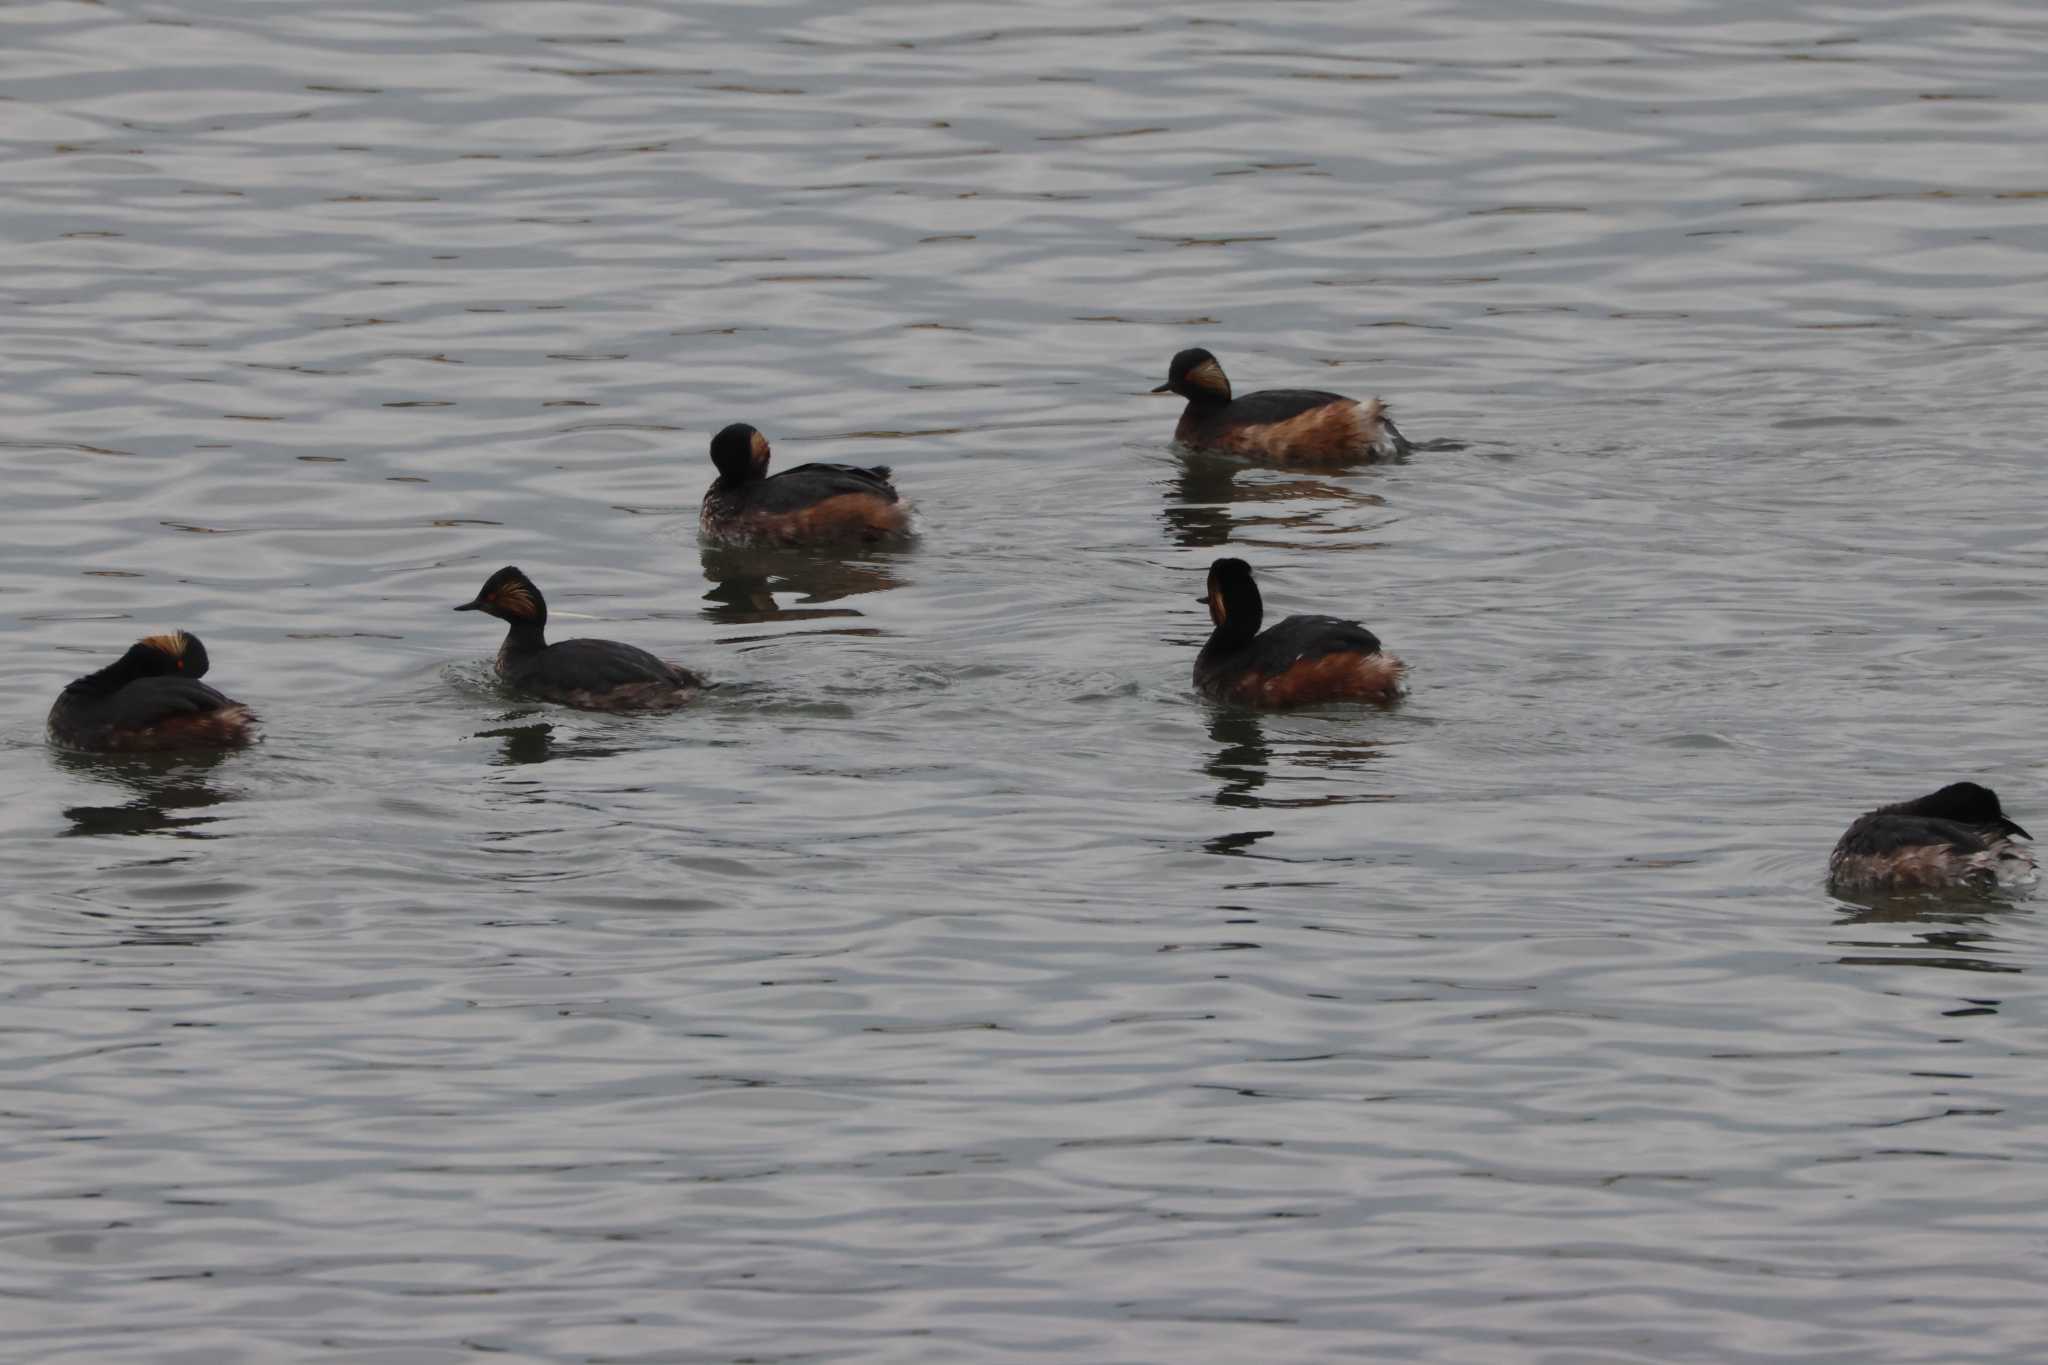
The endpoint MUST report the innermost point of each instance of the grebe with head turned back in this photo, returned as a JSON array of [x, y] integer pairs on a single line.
[[150, 699], [1958, 836], [812, 504]]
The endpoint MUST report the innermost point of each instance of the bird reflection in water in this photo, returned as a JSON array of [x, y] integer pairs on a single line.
[[1239, 764], [1952, 929], [538, 742], [1200, 500], [1242, 764], [1238, 845], [170, 793], [745, 582]]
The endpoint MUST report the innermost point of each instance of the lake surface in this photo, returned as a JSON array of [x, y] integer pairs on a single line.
[[952, 984]]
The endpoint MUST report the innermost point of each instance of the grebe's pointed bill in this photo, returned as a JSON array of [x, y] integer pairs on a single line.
[[474, 604], [1167, 387]]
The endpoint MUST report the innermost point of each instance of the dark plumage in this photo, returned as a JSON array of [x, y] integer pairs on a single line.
[[1288, 426], [1958, 836], [1304, 659], [597, 675], [150, 699], [808, 505]]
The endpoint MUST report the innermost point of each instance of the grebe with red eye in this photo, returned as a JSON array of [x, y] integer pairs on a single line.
[[150, 700]]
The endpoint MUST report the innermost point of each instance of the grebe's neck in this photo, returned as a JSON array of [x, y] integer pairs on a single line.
[[1240, 617], [523, 637]]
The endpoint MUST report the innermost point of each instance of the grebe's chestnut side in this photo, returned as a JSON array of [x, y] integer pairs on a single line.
[[1302, 660], [1283, 426], [812, 504], [150, 700], [596, 675], [1958, 836]]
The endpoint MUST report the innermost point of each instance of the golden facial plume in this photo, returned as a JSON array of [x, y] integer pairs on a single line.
[[514, 600], [1208, 377]]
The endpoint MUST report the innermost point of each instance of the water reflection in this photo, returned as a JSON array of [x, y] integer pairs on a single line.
[[1243, 763], [1952, 930], [1201, 496], [745, 582], [1239, 763], [1238, 845], [169, 793], [538, 742]]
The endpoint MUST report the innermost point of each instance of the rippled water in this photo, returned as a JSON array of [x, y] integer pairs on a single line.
[[953, 984]]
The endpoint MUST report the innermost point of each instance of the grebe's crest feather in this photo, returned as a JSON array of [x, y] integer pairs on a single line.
[[515, 599], [1210, 379], [511, 596]]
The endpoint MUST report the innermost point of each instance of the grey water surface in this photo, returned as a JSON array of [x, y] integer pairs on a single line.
[[952, 984]]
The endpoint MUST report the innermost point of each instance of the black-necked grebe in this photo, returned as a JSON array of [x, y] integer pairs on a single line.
[[1304, 659], [148, 700], [597, 675], [1958, 836], [1287, 426], [812, 504]]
